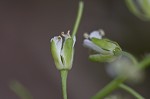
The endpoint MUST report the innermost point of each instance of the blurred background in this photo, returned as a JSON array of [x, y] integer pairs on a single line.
[[26, 27]]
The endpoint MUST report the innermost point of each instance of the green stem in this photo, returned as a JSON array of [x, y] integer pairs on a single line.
[[134, 60], [145, 62], [79, 15], [116, 82], [64, 74], [131, 91], [20, 90], [120, 79], [109, 88]]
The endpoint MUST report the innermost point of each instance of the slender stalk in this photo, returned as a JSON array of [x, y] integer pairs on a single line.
[[79, 15], [120, 79], [116, 82], [134, 60], [145, 62], [109, 88], [64, 74], [131, 91], [20, 90]]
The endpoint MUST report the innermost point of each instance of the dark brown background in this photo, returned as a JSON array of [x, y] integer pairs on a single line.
[[26, 27]]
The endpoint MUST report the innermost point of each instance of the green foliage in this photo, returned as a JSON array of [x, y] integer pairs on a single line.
[[20, 90], [140, 8]]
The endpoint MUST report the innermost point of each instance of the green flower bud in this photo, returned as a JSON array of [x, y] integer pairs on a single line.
[[140, 8], [63, 51], [105, 49]]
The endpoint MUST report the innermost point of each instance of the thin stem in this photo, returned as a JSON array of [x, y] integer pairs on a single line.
[[116, 82], [145, 62], [64, 74], [79, 15], [134, 60], [20, 90], [109, 88], [120, 79], [131, 91]]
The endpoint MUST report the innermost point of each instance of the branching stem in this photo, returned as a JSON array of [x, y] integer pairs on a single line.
[[109, 88], [131, 91]]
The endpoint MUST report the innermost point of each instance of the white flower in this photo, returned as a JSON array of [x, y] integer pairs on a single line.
[[63, 51], [140, 8], [105, 49]]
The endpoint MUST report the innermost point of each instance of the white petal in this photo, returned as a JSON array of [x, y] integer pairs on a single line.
[[95, 34], [87, 43], [74, 41], [56, 46], [58, 42]]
